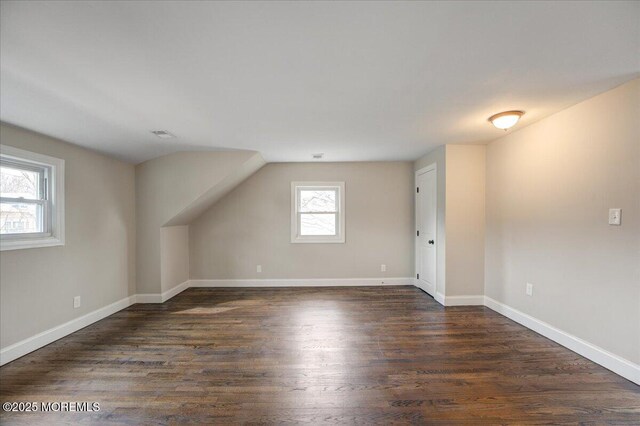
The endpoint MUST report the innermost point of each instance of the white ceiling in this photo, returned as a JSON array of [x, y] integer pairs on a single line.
[[354, 80]]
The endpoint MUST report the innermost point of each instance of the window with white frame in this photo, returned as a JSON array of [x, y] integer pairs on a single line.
[[317, 212], [31, 199]]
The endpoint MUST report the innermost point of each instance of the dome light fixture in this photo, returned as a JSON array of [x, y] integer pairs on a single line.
[[505, 120]]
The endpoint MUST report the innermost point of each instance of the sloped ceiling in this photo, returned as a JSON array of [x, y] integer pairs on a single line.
[[173, 190], [354, 80]]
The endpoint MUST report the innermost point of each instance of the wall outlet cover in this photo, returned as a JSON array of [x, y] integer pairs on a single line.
[[615, 216], [76, 302]]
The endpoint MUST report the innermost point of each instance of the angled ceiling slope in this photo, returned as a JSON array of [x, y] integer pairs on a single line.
[[357, 81], [175, 189], [217, 191]]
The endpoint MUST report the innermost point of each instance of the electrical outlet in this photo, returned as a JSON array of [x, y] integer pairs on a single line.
[[76, 302], [614, 216], [383, 268], [529, 289], [258, 268]]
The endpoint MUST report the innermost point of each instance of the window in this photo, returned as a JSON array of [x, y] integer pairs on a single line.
[[317, 212], [31, 199]]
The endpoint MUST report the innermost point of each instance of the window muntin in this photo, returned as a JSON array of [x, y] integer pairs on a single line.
[[31, 199], [317, 212]]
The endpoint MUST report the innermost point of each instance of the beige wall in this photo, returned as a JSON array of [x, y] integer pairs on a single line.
[[97, 262], [465, 219], [174, 256], [251, 226], [460, 216], [438, 157], [549, 188], [170, 191]]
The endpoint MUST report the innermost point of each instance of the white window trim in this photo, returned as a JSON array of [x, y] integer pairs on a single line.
[[314, 239], [56, 237]]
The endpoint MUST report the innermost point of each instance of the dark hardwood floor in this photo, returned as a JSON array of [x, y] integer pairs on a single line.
[[357, 355]]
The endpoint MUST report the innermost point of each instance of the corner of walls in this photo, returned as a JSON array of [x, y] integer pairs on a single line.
[[548, 188], [174, 256], [437, 156], [460, 221], [171, 192], [465, 222]]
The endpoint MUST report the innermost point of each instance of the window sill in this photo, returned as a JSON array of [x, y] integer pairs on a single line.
[[6, 245]]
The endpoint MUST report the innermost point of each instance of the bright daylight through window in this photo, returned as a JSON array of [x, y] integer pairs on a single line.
[[31, 199], [317, 212], [23, 198]]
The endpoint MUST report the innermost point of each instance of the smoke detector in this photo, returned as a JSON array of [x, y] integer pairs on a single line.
[[163, 134]]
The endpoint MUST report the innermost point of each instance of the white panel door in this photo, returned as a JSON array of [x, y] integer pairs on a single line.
[[426, 231]]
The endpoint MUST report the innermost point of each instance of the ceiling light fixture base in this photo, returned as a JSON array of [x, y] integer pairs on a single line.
[[506, 119]]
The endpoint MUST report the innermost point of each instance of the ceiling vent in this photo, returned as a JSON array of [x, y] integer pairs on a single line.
[[162, 134], [318, 156]]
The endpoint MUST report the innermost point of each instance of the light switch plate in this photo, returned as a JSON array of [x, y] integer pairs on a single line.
[[615, 216]]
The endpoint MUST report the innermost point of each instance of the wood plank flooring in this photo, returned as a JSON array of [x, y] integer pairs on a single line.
[[348, 355]]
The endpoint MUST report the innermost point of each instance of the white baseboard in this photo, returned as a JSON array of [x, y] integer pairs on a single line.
[[30, 344], [175, 290], [148, 298], [464, 300], [618, 365], [162, 297], [303, 282]]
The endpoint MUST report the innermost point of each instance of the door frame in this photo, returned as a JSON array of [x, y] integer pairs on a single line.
[[431, 167]]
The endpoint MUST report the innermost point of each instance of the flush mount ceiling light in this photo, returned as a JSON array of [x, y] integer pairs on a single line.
[[318, 156], [505, 120], [162, 134]]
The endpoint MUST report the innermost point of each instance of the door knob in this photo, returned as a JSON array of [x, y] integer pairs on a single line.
[[430, 241]]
